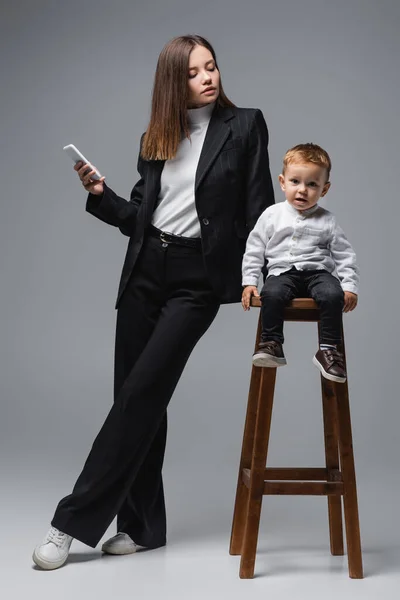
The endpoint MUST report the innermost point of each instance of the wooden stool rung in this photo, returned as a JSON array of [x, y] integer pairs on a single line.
[[303, 488], [296, 474], [303, 473], [298, 482]]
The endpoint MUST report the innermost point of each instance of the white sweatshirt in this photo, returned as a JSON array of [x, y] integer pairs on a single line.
[[176, 209], [308, 239]]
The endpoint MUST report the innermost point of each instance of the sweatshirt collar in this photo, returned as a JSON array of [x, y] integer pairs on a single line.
[[198, 116], [301, 213]]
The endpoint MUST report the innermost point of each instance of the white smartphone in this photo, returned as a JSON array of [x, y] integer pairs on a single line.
[[78, 156]]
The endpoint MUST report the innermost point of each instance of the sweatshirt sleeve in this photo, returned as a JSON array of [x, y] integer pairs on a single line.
[[254, 256], [345, 260]]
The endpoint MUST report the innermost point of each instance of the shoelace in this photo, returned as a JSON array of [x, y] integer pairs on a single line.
[[334, 356], [56, 536], [271, 345]]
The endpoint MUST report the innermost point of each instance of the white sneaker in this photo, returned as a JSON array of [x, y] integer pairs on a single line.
[[120, 543], [53, 551]]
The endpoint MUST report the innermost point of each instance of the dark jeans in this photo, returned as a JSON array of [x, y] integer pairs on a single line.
[[323, 287], [166, 308]]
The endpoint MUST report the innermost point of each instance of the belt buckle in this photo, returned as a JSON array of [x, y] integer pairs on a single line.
[[164, 241]]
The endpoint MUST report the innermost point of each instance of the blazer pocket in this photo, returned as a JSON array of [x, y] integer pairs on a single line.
[[232, 144]]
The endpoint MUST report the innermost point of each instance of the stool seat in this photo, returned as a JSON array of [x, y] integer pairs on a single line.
[[299, 309], [336, 479]]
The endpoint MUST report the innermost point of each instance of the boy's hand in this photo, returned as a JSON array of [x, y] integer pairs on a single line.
[[350, 301], [248, 292]]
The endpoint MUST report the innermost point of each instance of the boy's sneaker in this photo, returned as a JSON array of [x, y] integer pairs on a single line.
[[53, 551], [269, 354], [331, 364], [120, 543]]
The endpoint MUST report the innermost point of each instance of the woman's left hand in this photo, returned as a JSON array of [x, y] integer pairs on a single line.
[[350, 301]]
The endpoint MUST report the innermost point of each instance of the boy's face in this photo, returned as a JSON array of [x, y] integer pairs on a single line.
[[304, 184]]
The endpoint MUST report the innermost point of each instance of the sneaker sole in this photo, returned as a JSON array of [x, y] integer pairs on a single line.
[[326, 374], [266, 360], [120, 551], [45, 565]]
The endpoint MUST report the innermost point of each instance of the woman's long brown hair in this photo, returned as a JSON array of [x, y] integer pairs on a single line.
[[170, 98]]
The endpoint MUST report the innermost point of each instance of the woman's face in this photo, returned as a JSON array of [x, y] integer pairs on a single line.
[[203, 78]]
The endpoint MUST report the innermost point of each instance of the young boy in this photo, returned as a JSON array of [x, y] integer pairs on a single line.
[[307, 254]]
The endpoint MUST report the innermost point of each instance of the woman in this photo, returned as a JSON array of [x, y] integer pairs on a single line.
[[204, 182]]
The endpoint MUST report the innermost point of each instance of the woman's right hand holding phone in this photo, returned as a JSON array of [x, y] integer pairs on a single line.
[[94, 186]]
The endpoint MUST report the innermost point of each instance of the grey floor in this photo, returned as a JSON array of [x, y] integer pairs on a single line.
[[59, 416], [293, 553]]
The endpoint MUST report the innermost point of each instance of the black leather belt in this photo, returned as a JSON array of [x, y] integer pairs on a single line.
[[170, 238]]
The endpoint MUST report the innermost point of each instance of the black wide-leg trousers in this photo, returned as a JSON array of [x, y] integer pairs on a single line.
[[166, 308]]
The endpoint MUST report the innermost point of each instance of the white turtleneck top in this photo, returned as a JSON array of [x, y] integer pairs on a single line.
[[176, 210]]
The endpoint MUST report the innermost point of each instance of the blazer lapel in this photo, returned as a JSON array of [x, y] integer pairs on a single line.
[[217, 132]]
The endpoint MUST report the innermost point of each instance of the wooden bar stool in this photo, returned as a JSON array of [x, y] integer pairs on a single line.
[[335, 480]]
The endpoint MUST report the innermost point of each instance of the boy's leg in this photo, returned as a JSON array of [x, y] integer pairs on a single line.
[[276, 293], [327, 292]]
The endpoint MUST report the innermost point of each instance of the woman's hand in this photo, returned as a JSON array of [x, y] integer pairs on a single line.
[[248, 292], [94, 186], [350, 301]]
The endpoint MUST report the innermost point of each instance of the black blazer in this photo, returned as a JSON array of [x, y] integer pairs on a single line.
[[232, 188]]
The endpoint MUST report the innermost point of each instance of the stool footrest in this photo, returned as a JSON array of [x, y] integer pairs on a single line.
[[301, 481], [303, 488], [303, 473]]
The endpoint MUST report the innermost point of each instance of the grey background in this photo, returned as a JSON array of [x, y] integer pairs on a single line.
[[82, 72]]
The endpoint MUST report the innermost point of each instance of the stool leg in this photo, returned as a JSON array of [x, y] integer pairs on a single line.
[[257, 473], [349, 481], [239, 514], [329, 409], [332, 463]]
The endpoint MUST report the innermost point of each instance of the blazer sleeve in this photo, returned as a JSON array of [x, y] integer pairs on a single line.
[[114, 210], [259, 188]]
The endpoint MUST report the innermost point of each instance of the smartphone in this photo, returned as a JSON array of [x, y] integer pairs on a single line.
[[78, 156]]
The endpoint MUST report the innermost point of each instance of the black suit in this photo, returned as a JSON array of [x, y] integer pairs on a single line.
[[232, 188], [168, 297]]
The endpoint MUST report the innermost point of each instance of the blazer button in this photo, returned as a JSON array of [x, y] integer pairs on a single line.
[[206, 221]]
